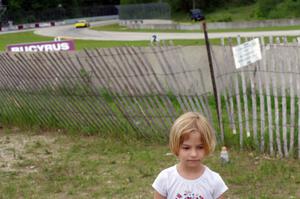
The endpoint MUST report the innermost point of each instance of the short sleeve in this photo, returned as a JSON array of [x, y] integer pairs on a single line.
[[219, 187], [160, 183]]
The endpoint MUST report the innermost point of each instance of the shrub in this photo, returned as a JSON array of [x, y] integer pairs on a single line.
[[265, 7]]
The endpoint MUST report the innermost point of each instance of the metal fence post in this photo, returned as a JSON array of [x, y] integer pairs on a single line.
[[212, 74]]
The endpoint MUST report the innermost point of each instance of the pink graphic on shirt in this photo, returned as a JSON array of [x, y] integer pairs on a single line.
[[189, 195]]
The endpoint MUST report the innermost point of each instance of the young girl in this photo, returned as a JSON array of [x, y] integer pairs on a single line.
[[191, 140]]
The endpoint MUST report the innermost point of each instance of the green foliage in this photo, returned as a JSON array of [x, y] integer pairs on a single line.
[[173, 99], [180, 6], [37, 5], [124, 2], [185, 5], [223, 18], [30, 11], [275, 9], [265, 7], [85, 76], [233, 10], [106, 94], [286, 9]]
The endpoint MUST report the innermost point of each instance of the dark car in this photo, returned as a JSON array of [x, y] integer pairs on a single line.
[[197, 15]]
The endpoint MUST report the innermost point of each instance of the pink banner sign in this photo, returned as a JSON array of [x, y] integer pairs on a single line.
[[67, 45]]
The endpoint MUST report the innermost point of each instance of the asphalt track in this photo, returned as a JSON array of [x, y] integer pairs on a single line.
[[68, 31]]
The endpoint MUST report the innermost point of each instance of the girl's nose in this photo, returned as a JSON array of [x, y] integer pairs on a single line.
[[193, 152]]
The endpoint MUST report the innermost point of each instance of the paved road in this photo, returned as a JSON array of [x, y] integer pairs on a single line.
[[68, 31]]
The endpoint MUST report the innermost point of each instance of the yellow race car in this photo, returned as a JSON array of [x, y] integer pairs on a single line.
[[82, 24]]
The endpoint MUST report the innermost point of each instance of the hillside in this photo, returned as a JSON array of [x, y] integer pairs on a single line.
[[259, 10]]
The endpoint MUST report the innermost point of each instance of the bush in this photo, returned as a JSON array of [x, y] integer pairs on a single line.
[[222, 18], [286, 9], [265, 7], [225, 18], [275, 9]]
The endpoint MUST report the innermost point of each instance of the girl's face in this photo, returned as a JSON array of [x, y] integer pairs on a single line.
[[191, 151]]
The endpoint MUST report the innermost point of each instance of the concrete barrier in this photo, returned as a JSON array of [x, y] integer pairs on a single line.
[[254, 24]]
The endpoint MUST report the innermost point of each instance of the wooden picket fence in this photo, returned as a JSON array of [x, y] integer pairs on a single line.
[[261, 102], [117, 90], [141, 91]]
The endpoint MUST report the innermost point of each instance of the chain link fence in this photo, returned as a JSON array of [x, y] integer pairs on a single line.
[[145, 11]]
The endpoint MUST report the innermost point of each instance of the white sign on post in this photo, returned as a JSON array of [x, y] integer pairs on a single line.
[[246, 53]]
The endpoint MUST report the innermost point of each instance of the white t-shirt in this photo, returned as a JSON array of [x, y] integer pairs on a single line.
[[173, 186]]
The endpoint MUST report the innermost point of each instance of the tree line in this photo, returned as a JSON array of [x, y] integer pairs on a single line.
[[29, 11], [35, 5], [264, 8], [186, 5], [176, 5]]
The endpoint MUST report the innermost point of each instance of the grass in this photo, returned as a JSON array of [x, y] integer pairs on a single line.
[[60, 165], [27, 37], [122, 28], [43, 164], [275, 28], [52, 110], [227, 13], [232, 13], [21, 37]]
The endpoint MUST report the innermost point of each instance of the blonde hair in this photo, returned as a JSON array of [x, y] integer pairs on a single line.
[[191, 122]]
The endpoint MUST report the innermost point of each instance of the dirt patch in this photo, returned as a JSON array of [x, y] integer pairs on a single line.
[[21, 152]]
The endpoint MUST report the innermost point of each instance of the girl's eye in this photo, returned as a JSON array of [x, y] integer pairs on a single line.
[[185, 148]]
